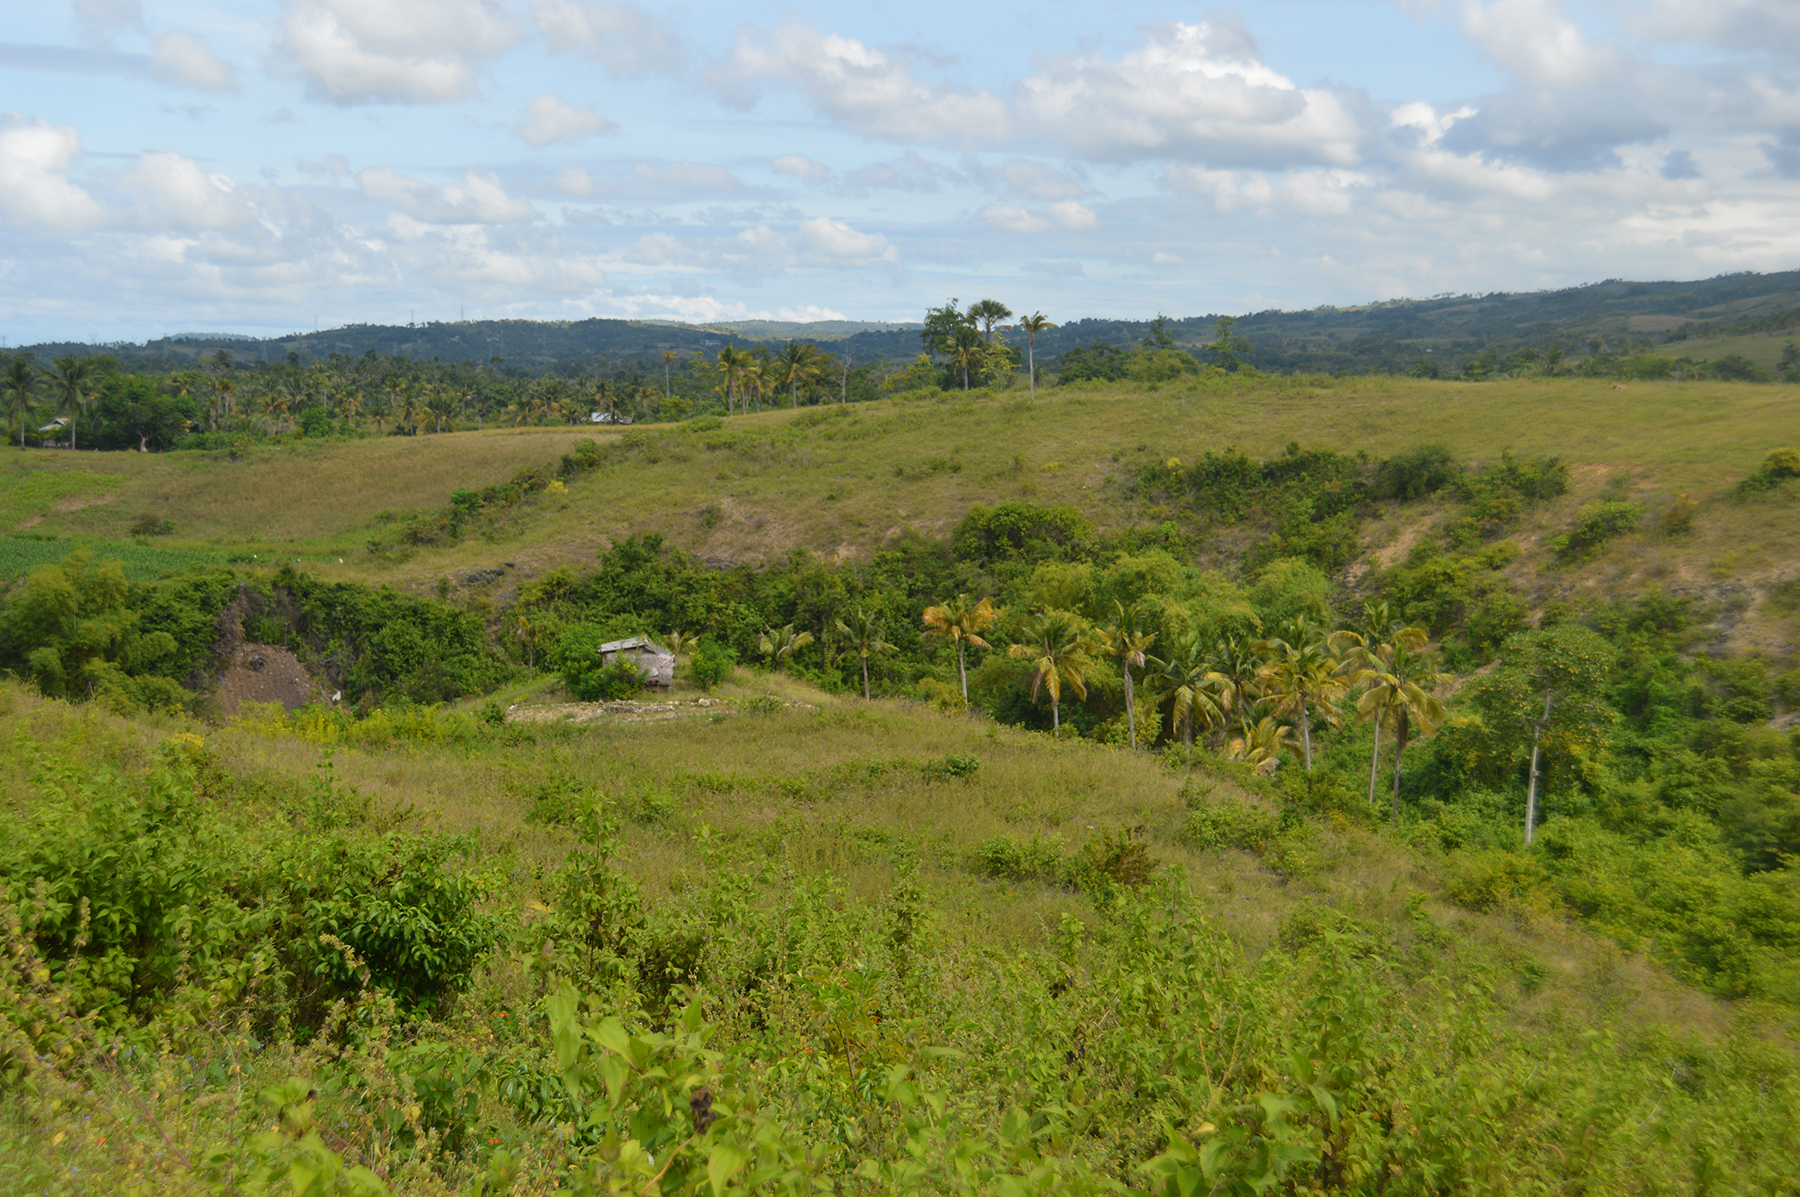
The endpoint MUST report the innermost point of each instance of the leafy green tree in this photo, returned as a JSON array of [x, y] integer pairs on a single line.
[[961, 623], [1228, 345], [1032, 325], [71, 382], [1123, 643], [940, 328], [863, 630], [1057, 645], [75, 630], [1551, 685], [19, 386]]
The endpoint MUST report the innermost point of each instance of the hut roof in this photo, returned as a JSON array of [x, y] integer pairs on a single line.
[[630, 642]]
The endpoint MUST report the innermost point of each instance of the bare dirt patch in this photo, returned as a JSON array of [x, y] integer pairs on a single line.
[[615, 712], [264, 673]]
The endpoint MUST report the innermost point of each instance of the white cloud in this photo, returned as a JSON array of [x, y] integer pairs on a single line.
[[802, 167], [808, 313], [1190, 92], [183, 60], [623, 38], [688, 176], [1748, 26], [401, 51], [762, 250], [549, 119], [332, 166], [1536, 41], [98, 18], [35, 160], [1066, 215], [824, 240], [1025, 177], [853, 83], [574, 181], [1313, 192], [172, 192], [478, 199]]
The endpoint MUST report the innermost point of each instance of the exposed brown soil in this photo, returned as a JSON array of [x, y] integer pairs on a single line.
[[264, 673]]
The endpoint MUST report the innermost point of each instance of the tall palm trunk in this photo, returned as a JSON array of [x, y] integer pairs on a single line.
[[1055, 714], [865, 665], [1130, 709], [1305, 734], [962, 671], [1031, 365], [1399, 748], [1375, 760], [1537, 732]]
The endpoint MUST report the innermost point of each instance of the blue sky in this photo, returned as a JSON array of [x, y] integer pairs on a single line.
[[171, 165]]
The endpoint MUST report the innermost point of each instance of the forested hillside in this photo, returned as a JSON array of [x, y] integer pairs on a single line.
[[1210, 783]]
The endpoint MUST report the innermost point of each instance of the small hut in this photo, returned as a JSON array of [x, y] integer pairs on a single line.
[[655, 662]]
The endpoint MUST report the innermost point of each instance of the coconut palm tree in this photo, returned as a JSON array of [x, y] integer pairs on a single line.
[[863, 632], [1260, 746], [1057, 646], [1033, 324], [72, 384], [1124, 645], [1302, 677], [670, 357], [961, 624], [1236, 675], [987, 313], [1194, 690], [1400, 680], [966, 348], [797, 363], [20, 387], [781, 645]]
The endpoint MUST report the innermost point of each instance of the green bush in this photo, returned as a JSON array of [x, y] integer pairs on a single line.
[[577, 658], [1595, 524], [711, 664]]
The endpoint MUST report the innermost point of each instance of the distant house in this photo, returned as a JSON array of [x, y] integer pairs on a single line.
[[608, 417], [655, 662]]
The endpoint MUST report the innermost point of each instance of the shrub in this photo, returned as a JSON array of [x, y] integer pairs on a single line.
[[711, 664], [1595, 524], [1417, 473], [577, 657], [1777, 467], [1232, 825]]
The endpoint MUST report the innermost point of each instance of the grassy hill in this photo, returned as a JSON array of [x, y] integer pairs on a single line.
[[842, 482], [464, 934]]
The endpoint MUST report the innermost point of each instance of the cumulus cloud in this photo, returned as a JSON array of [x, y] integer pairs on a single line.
[[1313, 192], [1679, 164], [183, 60], [35, 160], [548, 119], [172, 192], [623, 38], [1198, 92], [1746, 26], [1784, 153], [875, 94], [398, 51], [802, 167], [1026, 178], [1066, 215], [478, 199], [762, 250], [332, 166], [910, 172]]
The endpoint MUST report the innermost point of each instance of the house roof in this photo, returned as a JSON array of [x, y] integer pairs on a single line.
[[52, 426], [616, 646]]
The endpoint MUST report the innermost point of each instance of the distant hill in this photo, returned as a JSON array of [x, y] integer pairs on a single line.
[[1384, 336]]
